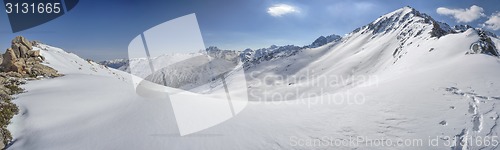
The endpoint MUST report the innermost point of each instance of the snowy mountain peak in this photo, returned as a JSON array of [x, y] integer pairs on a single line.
[[273, 47], [406, 19], [401, 27], [322, 40], [229, 55], [461, 28], [400, 12]]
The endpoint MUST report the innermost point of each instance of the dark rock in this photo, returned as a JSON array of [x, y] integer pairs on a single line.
[[22, 59], [18, 63], [23, 41], [484, 45]]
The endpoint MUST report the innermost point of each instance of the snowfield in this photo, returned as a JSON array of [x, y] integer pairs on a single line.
[[388, 85]]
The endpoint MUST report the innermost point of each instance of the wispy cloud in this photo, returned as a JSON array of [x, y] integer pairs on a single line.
[[358, 9], [493, 22], [463, 15], [364, 5], [279, 10]]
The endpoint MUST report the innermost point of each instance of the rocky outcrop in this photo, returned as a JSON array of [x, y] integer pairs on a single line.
[[18, 64], [320, 41], [484, 45], [22, 59]]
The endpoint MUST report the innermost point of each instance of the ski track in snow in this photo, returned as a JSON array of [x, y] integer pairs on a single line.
[[479, 107]]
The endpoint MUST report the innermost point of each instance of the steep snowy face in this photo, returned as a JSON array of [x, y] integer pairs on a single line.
[[408, 20], [71, 64], [380, 44], [409, 26], [398, 43]]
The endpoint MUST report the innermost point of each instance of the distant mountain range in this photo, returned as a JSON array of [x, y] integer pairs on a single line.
[[407, 20]]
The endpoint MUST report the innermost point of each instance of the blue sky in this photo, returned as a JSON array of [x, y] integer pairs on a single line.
[[102, 30]]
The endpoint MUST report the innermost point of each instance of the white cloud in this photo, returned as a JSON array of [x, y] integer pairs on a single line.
[[279, 10], [493, 22], [463, 15]]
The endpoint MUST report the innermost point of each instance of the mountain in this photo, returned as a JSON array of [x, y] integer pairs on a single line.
[[320, 41], [246, 56], [409, 20], [268, 54], [407, 68], [402, 77], [116, 63]]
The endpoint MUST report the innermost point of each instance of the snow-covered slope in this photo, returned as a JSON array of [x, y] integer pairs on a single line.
[[68, 63], [55, 113], [402, 77]]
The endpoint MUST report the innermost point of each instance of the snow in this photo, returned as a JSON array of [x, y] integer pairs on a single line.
[[395, 85]]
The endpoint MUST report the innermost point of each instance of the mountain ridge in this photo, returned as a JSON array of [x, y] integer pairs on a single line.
[[406, 20]]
